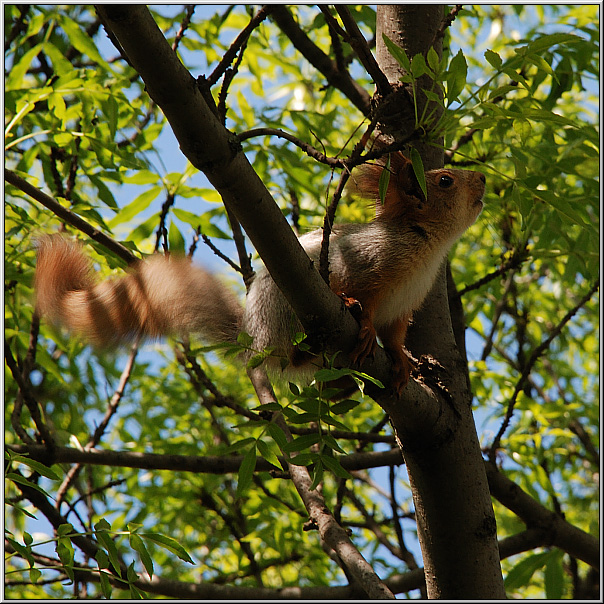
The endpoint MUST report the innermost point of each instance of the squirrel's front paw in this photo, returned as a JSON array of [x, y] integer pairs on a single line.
[[401, 369], [366, 345]]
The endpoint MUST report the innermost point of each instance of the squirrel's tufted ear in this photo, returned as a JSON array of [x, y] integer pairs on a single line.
[[406, 181], [403, 193]]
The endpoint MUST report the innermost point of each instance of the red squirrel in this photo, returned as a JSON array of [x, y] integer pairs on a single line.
[[387, 266]]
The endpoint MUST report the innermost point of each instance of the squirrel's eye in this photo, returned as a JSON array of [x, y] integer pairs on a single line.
[[445, 182]]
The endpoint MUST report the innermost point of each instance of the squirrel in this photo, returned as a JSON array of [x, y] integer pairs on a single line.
[[382, 269]]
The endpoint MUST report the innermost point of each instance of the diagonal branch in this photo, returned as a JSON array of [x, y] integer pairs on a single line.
[[69, 217], [554, 529], [238, 44], [331, 532], [531, 363], [322, 62], [74, 471], [356, 39]]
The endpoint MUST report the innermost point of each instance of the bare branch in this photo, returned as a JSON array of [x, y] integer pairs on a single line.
[[322, 62], [74, 471], [334, 162], [359, 44], [539, 350], [552, 526], [190, 8], [28, 398], [236, 46], [513, 262], [446, 22], [69, 217]]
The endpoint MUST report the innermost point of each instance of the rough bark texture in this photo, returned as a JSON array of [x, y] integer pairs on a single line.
[[457, 528]]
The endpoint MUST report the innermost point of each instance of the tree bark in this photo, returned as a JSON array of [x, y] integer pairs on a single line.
[[456, 522]]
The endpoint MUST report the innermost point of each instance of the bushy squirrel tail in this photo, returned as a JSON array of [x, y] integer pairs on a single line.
[[160, 296]]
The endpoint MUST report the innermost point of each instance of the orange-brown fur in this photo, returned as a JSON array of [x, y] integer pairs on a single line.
[[385, 268]]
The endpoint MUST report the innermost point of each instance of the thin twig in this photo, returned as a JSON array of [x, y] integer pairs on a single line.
[[360, 46], [218, 253], [69, 217], [328, 222], [241, 39], [308, 149], [245, 259], [184, 25], [531, 362], [515, 260], [100, 429], [446, 22], [28, 398]]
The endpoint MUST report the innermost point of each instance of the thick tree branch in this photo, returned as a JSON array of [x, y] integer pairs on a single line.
[[211, 464], [213, 149], [331, 532], [557, 531]]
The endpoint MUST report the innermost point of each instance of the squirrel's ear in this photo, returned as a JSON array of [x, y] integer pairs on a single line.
[[406, 181], [403, 193]]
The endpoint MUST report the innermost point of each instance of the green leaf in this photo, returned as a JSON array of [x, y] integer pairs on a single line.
[[327, 375], [105, 584], [16, 74], [521, 574], [22, 480], [137, 544], [493, 58], [34, 575], [256, 360], [246, 471], [554, 576], [418, 170], [245, 339], [384, 181], [37, 466], [547, 41], [344, 406], [301, 442], [335, 466], [169, 544], [175, 239], [82, 41], [317, 475], [277, 435], [136, 206], [456, 77], [398, 53], [65, 529], [433, 60], [24, 551], [267, 453], [104, 192], [105, 540]]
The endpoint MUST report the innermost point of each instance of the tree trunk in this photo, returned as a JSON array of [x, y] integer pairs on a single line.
[[456, 523]]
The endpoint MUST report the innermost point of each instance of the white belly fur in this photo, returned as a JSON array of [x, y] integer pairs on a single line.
[[403, 298]]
